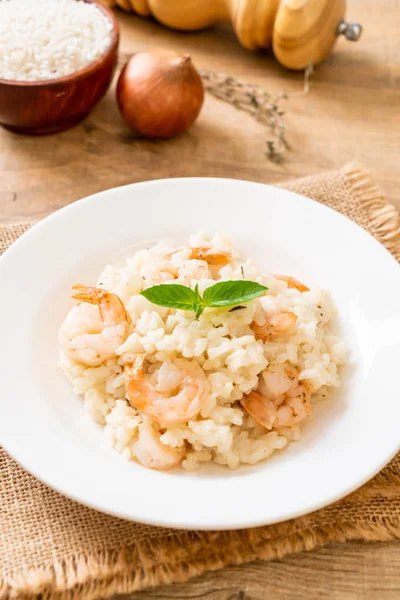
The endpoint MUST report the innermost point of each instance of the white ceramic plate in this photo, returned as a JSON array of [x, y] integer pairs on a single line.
[[350, 437]]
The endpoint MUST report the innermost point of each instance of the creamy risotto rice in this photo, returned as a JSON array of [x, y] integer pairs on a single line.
[[231, 387]]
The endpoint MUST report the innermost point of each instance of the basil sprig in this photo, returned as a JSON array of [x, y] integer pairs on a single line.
[[224, 293]]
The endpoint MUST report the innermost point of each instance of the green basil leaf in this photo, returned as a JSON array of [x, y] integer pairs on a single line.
[[228, 293], [198, 298], [199, 310], [198, 303], [171, 296]]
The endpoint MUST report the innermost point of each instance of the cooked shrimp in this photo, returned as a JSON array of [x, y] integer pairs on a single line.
[[274, 326], [164, 269], [187, 380], [292, 283], [281, 400], [152, 453], [91, 335], [161, 270], [212, 258]]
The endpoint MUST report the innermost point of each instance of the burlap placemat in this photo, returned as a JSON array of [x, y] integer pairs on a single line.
[[54, 547]]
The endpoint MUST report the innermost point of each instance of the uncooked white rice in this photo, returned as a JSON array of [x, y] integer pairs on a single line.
[[46, 39], [221, 342]]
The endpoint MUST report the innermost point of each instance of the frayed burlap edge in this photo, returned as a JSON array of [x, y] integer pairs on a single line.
[[383, 218], [370, 210], [150, 563], [154, 562]]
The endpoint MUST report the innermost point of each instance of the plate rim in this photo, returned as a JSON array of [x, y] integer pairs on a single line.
[[167, 180], [246, 523]]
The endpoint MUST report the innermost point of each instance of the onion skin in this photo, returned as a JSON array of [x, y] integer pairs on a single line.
[[159, 93]]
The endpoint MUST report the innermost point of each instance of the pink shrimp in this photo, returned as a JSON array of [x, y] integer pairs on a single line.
[[281, 399], [292, 283], [274, 326], [91, 337], [208, 255], [190, 385]]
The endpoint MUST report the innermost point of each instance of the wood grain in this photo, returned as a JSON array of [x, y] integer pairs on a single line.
[[352, 112], [300, 32], [305, 31], [354, 571]]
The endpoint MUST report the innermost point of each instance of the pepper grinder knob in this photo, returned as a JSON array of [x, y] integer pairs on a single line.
[[351, 30]]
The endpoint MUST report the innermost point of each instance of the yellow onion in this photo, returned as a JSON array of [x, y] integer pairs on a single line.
[[160, 93]]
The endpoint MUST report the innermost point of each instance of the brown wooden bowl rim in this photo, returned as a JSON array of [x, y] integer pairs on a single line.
[[81, 73]]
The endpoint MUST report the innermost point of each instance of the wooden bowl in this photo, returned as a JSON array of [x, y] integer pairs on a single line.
[[42, 107]]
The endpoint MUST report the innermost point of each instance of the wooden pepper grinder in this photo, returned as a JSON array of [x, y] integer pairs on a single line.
[[300, 32]]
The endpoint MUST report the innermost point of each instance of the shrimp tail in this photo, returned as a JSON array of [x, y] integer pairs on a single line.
[[111, 307], [260, 408], [86, 294], [134, 378], [135, 370], [292, 283], [212, 258]]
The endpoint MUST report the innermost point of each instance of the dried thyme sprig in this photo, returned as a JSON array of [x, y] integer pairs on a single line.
[[259, 104]]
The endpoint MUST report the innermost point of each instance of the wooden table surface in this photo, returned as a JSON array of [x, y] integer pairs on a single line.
[[352, 112]]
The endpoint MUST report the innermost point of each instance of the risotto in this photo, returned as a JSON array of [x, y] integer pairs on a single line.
[[230, 385]]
